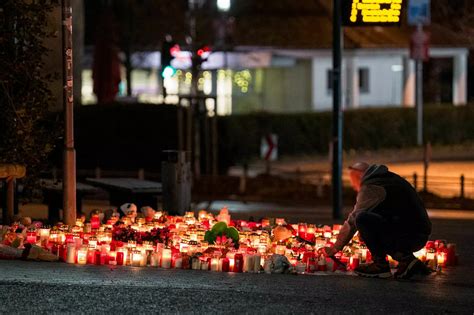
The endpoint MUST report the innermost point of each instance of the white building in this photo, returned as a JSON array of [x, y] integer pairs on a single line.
[[377, 72]]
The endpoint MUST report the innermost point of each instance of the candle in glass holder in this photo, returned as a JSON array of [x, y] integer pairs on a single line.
[[136, 258], [257, 262], [215, 264], [112, 258], [224, 264], [71, 254], [302, 230], [91, 255], [69, 238], [31, 236], [441, 258], [310, 233], [82, 255], [166, 258], [93, 242], [354, 262], [238, 262], [195, 263], [95, 221], [154, 260], [121, 254], [205, 263]]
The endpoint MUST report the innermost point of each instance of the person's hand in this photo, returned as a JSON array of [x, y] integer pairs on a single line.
[[329, 251]]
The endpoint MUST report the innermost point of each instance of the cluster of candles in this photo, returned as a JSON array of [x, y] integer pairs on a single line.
[[92, 243]]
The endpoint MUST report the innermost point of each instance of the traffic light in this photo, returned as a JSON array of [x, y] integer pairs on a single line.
[[203, 53], [169, 50]]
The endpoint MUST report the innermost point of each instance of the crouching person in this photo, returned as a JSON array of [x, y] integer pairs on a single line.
[[391, 220]]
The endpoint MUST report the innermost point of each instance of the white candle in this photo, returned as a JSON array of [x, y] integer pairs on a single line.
[[248, 263], [257, 262], [154, 260], [166, 258], [82, 256], [136, 258], [204, 265], [196, 263], [144, 261], [71, 254], [215, 264]]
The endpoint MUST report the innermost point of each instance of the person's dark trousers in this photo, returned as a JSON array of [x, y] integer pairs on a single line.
[[383, 237]]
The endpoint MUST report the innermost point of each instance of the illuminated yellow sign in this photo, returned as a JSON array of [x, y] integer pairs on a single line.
[[371, 12]]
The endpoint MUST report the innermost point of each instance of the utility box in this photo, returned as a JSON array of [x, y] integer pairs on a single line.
[[176, 181]]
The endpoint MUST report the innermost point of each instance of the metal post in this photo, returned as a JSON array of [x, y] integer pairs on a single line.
[[10, 200], [69, 162], [419, 96], [194, 93], [337, 112]]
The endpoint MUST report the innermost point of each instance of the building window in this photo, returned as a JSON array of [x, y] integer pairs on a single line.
[[329, 80], [364, 80]]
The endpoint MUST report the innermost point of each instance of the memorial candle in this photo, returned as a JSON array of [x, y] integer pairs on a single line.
[[120, 257], [136, 258], [31, 237], [302, 230], [166, 258], [82, 255], [112, 258], [71, 254], [44, 233], [441, 257], [310, 233], [257, 262], [215, 264], [95, 221], [225, 264]]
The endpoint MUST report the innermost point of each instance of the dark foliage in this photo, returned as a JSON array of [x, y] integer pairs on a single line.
[[27, 132]]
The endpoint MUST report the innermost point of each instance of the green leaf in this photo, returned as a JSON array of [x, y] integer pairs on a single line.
[[219, 228]]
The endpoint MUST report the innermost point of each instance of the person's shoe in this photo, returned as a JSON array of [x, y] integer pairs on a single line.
[[374, 270], [409, 268]]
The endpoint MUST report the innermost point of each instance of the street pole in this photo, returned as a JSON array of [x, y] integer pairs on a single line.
[[69, 162], [195, 110], [337, 118], [419, 95]]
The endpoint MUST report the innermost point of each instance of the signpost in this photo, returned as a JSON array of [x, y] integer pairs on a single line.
[[352, 13], [69, 164], [269, 149], [419, 15]]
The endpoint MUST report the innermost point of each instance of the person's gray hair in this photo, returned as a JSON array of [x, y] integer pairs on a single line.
[[359, 166]]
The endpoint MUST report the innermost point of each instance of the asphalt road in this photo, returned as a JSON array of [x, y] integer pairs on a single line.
[[33, 287]]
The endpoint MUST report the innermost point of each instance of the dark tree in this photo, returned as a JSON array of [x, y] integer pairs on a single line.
[[27, 132]]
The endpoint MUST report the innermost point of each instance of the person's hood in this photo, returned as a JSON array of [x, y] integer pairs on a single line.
[[374, 170]]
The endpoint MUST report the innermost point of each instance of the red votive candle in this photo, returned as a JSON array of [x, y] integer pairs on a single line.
[[95, 221], [98, 256], [119, 258], [238, 263], [225, 264]]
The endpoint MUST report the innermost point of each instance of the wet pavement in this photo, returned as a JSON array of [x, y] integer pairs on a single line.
[[34, 287]]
